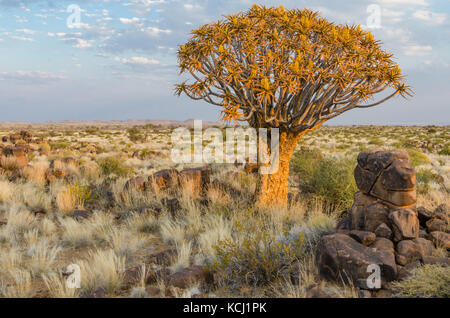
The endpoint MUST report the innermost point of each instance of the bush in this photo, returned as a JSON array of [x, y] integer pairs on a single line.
[[135, 135], [417, 158], [445, 150], [326, 179], [425, 281], [258, 260], [114, 165]]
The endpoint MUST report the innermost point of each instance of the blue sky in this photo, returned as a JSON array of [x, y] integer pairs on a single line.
[[121, 61]]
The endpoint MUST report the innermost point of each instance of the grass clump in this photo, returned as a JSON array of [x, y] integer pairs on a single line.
[[329, 180], [115, 166], [429, 281]]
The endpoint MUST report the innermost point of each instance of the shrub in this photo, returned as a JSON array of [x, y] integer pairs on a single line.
[[417, 158], [425, 281], [258, 259], [327, 179], [135, 135], [114, 165], [445, 150]]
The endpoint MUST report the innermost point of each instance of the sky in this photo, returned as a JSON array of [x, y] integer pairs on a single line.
[[118, 61]]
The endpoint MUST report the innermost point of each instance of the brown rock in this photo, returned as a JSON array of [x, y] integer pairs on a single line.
[[407, 270], [200, 177], [137, 183], [405, 224], [424, 215], [81, 214], [164, 178], [375, 214], [383, 293], [436, 224], [345, 224], [340, 256], [152, 291], [364, 237], [425, 246], [441, 239], [188, 276], [401, 260], [382, 243], [164, 258], [398, 198], [383, 231], [399, 176], [410, 250]]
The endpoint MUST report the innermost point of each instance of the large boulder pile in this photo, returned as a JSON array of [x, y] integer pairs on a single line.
[[383, 226]]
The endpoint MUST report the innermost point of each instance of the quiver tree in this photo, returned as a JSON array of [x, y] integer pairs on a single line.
[[286, 69]]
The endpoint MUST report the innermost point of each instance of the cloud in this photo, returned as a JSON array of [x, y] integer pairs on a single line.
[[22, 38], [430, 17], [32, 77], [129, 21], [136, 60], [26, 31], [82, 44], [417, 50], [404, 2]]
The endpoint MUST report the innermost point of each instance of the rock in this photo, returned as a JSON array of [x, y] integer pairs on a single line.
[[440, 239], [383, 244], [383, 293], [137, 183], [165, 257], [81, 214], [375, 214], [361, 201], [424, 215], [401, 260], [407, 270], [425, 246], [441, 209], [251, 168], [371, 163], [423, 234], [398, 198], [436, 224], [164, 178], [97, 293], [200, 177], [399, 176], [410, 250], [432, 260], [362, 293], [345, 224], [383, 231], [340, 256], [364, 237], [152, 291], [188, 276], [405, 224]]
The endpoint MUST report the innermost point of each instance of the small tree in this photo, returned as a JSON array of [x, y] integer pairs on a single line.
[[286, 69]]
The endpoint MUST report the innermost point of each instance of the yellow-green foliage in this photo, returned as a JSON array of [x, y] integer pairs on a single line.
[[327, 179], [114, 165], [256, 260], [417, 158], [80, 193], [426, 281]]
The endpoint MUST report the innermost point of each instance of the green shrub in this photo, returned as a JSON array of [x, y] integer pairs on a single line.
[[445, 150], [135, 135], [327, 179], [417, 158], [114, 165], [431, 281], [258, 260]]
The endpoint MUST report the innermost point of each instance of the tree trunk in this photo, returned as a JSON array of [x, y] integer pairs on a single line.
[[272, 189]]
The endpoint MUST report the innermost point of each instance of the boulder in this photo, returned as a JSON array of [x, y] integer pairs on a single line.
[[364, 237], [424, 215], [200, 177], [406, 271], [409, 250], [399, 176], [138, 183], [405, 224], [164, 178], [432, 260], [383, 231], [340, 256], [374, 215], [440, 239], [398, 198], [383, 244], [189, 276], [436, 224]]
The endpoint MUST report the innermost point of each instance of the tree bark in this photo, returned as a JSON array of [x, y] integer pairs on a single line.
[[272, 189]]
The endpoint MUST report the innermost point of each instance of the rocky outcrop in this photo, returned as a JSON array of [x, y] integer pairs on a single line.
[[383, 226]]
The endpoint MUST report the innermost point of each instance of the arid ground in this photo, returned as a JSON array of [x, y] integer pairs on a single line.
[[64, 199]]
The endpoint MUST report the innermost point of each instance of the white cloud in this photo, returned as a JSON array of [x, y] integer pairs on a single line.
[[136, 60], [404, 2], [22, 38], [82, 44], [133, 20], [30, 76], [431, 17], [26, 31], [417, 50]]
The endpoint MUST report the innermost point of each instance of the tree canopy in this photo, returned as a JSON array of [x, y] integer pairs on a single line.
[[289, 69]]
